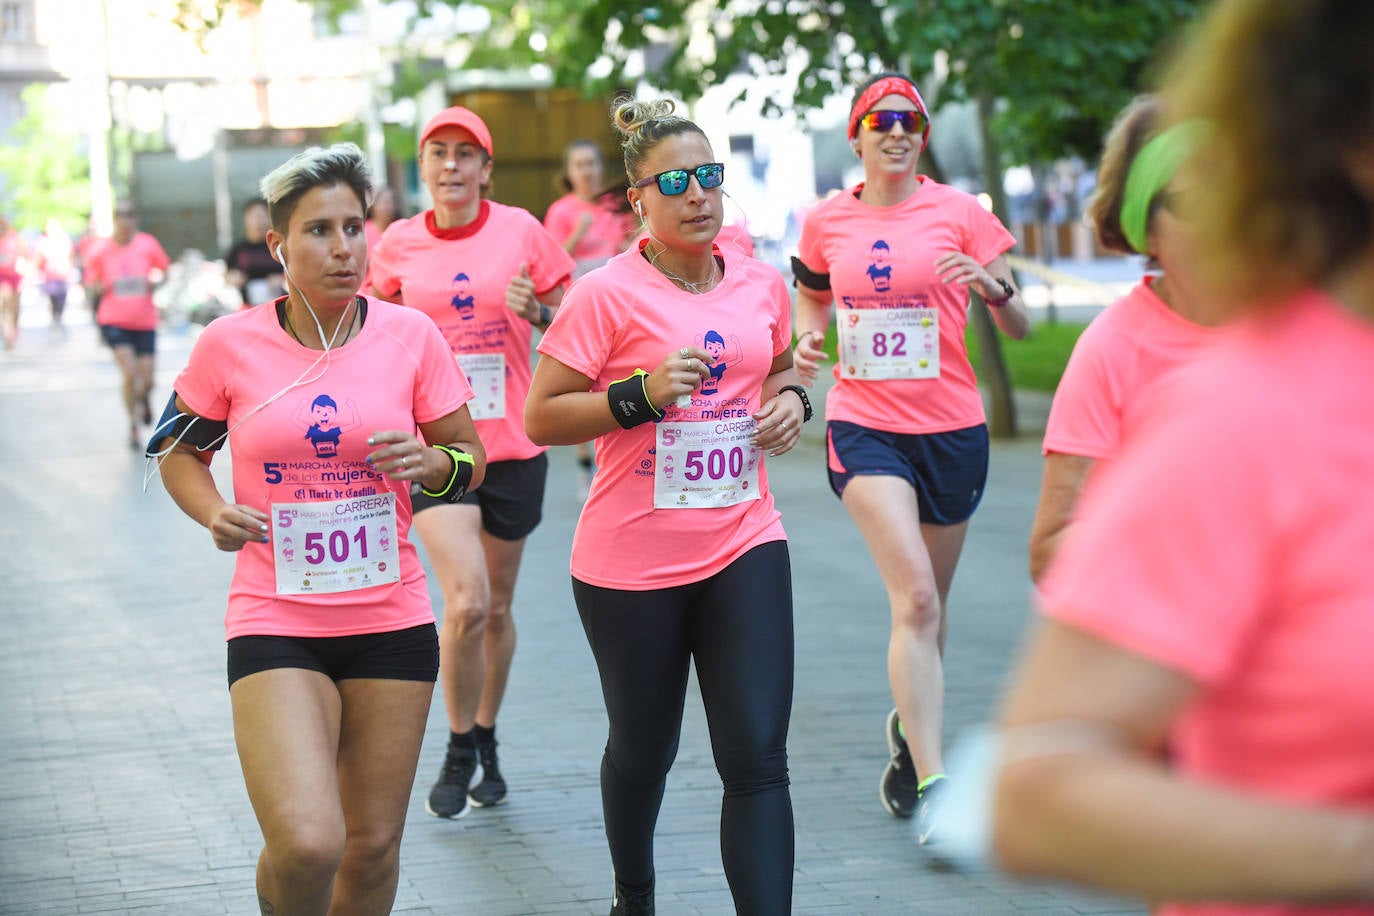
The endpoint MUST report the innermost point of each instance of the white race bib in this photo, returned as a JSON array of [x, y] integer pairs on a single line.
[[129, 286], [486, 374], [705, 464], [880, 344], [335, 546]]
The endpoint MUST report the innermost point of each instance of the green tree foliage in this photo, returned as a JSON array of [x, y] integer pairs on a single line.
[[1060, 69], [42, 171]]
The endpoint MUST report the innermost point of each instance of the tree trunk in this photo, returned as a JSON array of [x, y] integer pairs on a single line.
[[992, 368]]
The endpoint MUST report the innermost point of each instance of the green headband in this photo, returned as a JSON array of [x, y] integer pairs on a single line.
[[1150, 173]]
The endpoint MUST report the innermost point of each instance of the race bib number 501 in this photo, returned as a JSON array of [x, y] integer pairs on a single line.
[[336, 545]]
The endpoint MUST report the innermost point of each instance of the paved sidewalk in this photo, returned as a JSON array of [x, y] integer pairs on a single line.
[[121, 793]]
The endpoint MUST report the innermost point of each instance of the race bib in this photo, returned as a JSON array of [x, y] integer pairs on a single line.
[[130, 286], [335, 546], [705, 464], [486, 374], [878, 344]]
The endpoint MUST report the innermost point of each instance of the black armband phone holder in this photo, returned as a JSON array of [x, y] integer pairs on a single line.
[[458, 481], [807, 277], [180, 427], [630, 402]]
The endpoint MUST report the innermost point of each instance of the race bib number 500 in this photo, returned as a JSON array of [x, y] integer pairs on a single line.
[[705, 464], [335, 546]]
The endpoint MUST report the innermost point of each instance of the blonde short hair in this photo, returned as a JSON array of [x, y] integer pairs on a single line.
[[316, 167]]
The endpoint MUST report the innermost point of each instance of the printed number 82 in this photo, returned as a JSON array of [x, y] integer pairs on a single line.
[[880, 344]]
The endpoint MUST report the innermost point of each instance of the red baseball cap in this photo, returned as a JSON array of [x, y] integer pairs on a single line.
[[458, 116]]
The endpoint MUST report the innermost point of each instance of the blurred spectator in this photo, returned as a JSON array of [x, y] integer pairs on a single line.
[[251, 268]]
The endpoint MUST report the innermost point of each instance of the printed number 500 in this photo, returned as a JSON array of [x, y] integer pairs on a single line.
[[718, 461]]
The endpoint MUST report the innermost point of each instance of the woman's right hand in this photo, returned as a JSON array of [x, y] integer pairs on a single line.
[[681, 372], [808, 356], [233, 525]]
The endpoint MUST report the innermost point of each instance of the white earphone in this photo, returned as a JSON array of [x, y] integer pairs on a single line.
[[281, 257], [639, 208]]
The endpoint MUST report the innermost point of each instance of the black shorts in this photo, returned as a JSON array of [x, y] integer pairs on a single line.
[[948, 470], [143, 342], [511, 497], [399, 655]]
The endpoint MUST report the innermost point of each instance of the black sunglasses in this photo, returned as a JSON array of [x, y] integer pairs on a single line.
[[674, 181]]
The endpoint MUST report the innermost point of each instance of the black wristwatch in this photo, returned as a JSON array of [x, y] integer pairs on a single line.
[[1007, 293], [801, 393]]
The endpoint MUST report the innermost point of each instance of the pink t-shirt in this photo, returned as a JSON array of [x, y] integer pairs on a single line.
[[603, 237], [1119, 358], [11, 250], [309, 445], [460, 282], [1228, 542], [373, 236], [884, 258], [628, 316], [123, 273]]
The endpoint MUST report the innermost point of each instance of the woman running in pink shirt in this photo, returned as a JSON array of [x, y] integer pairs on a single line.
[[1140, 207], [1214, 596], [592, 228], [907, 441], [679, 555], [11, 252], [332, 647], [125, 269], [487, 275]]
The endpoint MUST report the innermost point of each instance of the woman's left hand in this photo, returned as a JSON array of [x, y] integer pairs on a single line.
[[777, 424], [957, 267], [520, 297], [400, 455]]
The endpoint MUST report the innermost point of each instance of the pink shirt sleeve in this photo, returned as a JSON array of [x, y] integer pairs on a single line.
[[1171, 554], [985, 236], [1085, 418], [549, 264], [811, 247], [383, 266], [560, 219]]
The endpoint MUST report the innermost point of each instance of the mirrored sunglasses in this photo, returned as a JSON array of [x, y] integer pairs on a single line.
[[674, 181], [913, 122]]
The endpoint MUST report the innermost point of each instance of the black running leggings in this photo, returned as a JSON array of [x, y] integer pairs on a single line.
[[737, 626]]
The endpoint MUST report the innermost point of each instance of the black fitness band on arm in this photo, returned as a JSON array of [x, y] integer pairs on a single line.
[[630, 403], [807, 277], [458, 481], [203, 434]]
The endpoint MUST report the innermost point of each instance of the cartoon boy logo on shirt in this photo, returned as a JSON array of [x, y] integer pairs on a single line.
[[714, 343], [463, 299], [322, 426], [880, 272]]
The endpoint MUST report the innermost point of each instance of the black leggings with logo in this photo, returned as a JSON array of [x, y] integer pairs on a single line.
[[737, 628]]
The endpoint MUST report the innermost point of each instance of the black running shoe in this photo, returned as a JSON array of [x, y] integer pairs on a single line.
[[449, 797], [898, 788], [629, 902], [929, 812], [491, 791]]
